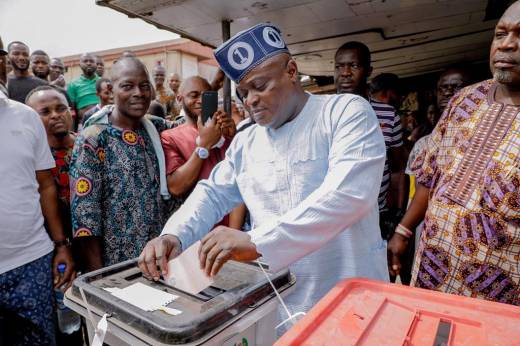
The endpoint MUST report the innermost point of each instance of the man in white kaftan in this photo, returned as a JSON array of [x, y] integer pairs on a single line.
[[311, 187]]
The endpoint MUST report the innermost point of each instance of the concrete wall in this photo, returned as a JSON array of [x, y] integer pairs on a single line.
[[184, 64]]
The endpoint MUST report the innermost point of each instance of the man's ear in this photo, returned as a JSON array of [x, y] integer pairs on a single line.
[[179, 98], [292, 70], [369, 71]]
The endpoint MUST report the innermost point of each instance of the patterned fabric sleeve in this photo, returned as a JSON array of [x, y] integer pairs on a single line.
[[86, 187], [425, 163], [416, 150]]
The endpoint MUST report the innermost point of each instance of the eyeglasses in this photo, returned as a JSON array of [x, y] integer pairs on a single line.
[[454, 87]]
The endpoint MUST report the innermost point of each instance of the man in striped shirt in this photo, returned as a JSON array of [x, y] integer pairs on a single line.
[[384, 92], [351, 72]]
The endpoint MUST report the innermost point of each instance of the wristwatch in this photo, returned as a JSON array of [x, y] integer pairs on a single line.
[[64, 242], [202, 153]]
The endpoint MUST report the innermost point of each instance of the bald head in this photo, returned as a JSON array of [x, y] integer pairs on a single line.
[[194, 83], [512, 13], [35, 94], [127, 65]]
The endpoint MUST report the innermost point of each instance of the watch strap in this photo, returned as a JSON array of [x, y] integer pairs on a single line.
[[64, 242]]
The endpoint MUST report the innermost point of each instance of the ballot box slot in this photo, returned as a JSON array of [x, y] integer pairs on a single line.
[[210, 293], [203, 296], [442, 337], [134, 276]]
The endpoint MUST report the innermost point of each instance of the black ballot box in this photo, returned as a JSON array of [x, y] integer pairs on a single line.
[[239, 308]]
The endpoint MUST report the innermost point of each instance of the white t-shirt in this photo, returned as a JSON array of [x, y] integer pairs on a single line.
[[23, 151]]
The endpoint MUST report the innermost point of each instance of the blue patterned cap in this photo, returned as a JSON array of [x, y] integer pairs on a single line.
[[248, 49]]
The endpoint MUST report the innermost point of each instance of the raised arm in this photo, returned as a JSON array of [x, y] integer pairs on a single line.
[[185, 176]]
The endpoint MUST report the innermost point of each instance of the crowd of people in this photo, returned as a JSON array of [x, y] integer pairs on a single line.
[[107, 168]]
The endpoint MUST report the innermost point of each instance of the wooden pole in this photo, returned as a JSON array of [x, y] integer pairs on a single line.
[[226, 35]]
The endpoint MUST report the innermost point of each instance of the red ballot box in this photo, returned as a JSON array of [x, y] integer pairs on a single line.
[[366, 312]]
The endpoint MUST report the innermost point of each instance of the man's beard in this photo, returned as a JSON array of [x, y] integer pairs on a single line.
[[501, 76], [189, 114], [16, 67], [61, 135], [88, 71]]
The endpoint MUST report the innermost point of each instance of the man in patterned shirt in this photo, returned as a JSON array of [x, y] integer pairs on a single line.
[[352, 69], [469, 185], [116, 180]]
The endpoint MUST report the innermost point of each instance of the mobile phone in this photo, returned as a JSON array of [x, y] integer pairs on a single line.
[[209, 105]]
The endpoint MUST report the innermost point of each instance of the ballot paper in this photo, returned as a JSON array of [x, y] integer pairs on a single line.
[[144, 297], [184, 272]]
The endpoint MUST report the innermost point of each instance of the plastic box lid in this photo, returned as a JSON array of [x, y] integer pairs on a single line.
[[237, 288], [366, 312]]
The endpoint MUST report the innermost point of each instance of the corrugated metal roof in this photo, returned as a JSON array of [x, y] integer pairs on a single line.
[[407, 37]]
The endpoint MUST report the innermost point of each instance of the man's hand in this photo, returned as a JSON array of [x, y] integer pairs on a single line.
[[158, 251], [227, 125], [209, 133], [63, 255], [223, 244], [60, 82], [396, 249], [218, 81]]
